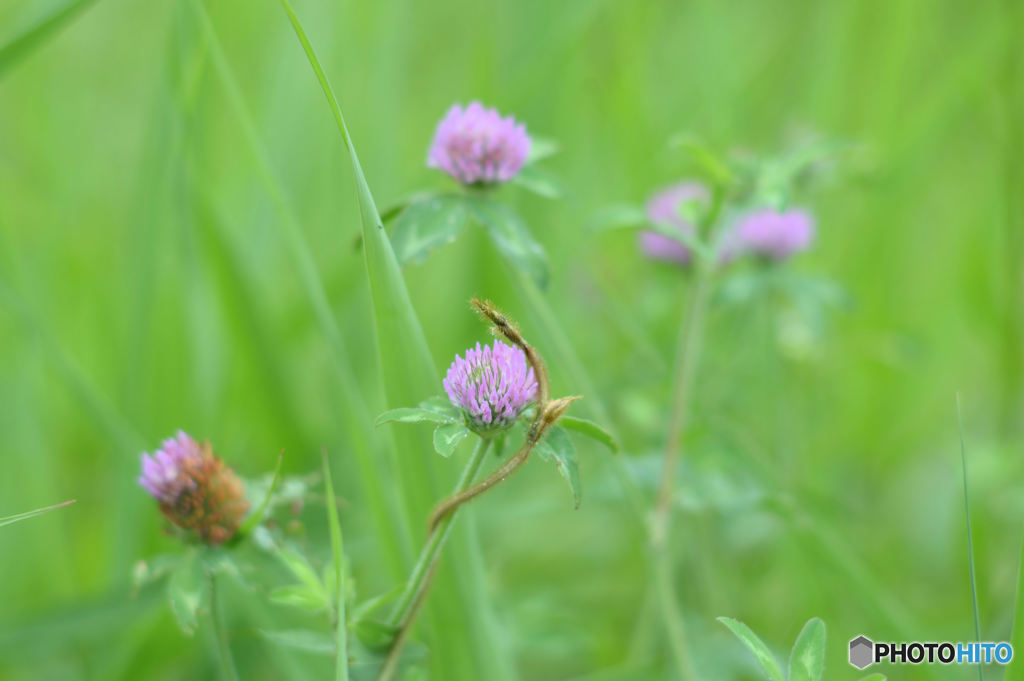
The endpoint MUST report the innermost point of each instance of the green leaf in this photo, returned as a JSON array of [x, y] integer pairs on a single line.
[[540, 182], [511, 237], [756, 646], [153, 569], [187, 590], [18, 517], [302, 570], [590, 429], [447, 437], [256, 517], [371, 605], [305, 640], [556, 446], [394, 209], [807, 660], [299, 596], [441, 405], [413, 415], [541, 148], [618, 216], [426, 224], [376, 636]]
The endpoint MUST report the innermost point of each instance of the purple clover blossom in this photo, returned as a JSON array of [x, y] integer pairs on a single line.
[[492, 385], [772, 234], [476, 145], [195, 489], [664, 208], [162, 472]]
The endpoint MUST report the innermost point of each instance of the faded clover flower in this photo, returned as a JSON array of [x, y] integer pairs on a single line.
[[475, 145], [772, 234], [492, 385], [664, 208], [195, 489]]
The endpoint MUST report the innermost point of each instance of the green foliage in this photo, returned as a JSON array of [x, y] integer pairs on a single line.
[[557, 447], [591, 430], [540, 182], [426, 224], [447, 437], [188, 590], [433, 221], [756, 647], [427, 411], [807, 659]]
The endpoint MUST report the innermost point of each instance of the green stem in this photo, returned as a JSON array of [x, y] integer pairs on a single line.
[[690, 339], [227, 662], [415, 592]]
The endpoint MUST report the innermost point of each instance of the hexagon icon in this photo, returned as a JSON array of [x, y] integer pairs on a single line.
[[861, 652]]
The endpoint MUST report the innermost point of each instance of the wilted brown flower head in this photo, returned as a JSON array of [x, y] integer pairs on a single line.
[[195, 489]]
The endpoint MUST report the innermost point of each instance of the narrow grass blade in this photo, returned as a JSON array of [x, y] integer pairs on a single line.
[[338, 552], [409, 375], [970, 539], [17, 517], [38, 33], [257, 516], [354, 410]]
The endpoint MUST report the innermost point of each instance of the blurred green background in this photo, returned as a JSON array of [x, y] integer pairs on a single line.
[[145, 286]]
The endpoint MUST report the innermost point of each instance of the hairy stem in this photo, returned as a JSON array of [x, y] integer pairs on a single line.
[[415, 592]]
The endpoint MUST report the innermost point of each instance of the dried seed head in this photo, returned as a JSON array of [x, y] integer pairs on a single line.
[[195, 489]]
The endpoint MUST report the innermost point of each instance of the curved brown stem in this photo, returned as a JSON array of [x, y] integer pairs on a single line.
[[449, 505], [546, 417]]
